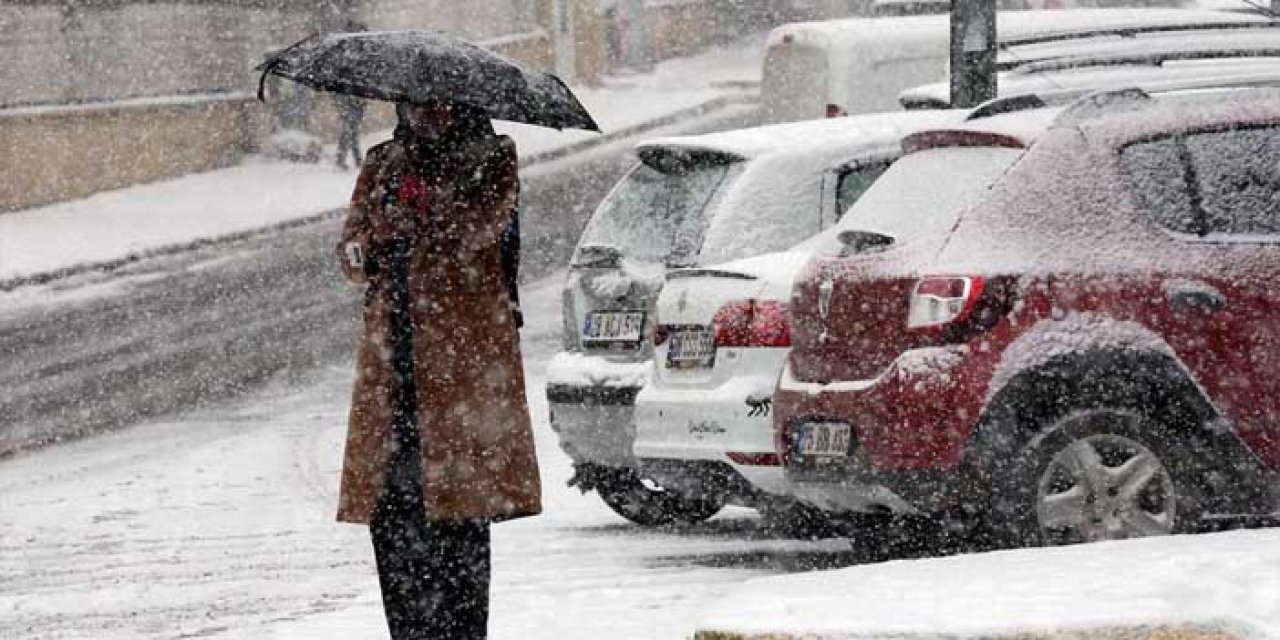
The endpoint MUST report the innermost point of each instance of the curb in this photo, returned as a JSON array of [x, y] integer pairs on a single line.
[[702, 109], [1222, 631]]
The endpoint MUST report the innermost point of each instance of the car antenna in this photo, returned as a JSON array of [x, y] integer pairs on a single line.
[[1264, 10]]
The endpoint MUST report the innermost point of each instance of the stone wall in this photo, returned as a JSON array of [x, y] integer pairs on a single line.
[[97, 96], [48, 154], [59, 53]]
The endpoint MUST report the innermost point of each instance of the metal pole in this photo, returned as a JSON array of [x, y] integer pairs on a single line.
[[565, 40], [973, 52], [635, 35]]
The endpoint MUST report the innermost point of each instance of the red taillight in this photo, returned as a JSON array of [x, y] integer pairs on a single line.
[[938, 302], [660, 334], [755, 459], [836, 111], [752, 323]]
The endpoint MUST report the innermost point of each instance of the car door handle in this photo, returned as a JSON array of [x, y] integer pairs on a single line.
[[1195, 297]]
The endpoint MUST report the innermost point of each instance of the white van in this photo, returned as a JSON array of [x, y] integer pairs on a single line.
[[842, 67]]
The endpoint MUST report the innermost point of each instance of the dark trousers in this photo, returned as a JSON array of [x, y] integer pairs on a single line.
[[434, 574]]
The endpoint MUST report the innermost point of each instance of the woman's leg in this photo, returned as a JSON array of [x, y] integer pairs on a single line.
[[459, 573], [434, 575], [402, 553]]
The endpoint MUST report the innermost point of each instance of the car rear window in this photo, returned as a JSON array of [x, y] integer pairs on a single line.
[[1206, 183], [656, 215], [921, 195]]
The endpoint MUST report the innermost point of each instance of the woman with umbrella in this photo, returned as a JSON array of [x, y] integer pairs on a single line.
[[439, 443]]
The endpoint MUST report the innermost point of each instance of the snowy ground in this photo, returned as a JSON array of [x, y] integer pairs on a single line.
[[220, 524], [1228, 581]]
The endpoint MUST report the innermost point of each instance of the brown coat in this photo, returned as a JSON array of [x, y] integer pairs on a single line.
[[478, 456]]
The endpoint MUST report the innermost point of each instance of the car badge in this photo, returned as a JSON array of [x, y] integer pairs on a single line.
[[682, 302], [825, 289]]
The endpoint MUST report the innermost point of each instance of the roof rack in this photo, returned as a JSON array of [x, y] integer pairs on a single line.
[[1085, 103], [1006, 104], [1103, 102], [1148, 59], [1130, 32]]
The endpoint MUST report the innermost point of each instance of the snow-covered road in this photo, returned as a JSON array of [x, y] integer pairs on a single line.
[[220, 524]]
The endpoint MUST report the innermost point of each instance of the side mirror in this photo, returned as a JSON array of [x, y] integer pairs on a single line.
[[598, 256], [854, 242]]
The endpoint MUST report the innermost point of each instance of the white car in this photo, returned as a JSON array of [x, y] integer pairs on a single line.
[[694, 200], [703, 422]]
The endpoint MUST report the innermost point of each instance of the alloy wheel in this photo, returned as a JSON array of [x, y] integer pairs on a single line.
[[1105, 487]]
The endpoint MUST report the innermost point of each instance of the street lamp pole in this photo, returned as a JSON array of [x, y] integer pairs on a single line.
[[973, 52]]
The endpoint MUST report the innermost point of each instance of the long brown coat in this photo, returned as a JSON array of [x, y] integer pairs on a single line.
[[478, 456]]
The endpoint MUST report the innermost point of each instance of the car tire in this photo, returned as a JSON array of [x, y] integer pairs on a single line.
[[1100, 473], [795, 519], [646, 503]]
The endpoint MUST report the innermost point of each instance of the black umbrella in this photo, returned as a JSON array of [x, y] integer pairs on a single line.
[[425, 66]]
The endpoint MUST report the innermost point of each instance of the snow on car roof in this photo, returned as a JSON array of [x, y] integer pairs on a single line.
[[809, 136], [1069, 205], [1010, 24], [1180, 111], [1212, 72]]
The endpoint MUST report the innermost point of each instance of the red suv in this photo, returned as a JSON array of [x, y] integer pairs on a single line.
[[1091, 352]]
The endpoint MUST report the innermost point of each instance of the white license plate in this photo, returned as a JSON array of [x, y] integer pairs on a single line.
[[691, 348], [825, 439], [613, 327]]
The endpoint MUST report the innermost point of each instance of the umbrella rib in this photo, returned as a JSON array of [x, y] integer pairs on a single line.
[[277, 58]]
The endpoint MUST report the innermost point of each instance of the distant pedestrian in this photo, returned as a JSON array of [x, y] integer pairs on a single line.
[[350, 117], [439, 443], [350, 110]]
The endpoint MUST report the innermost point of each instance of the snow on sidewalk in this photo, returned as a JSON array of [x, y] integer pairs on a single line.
[[1226, 583], [261, 193]]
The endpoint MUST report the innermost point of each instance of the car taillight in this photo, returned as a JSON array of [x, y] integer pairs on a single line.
[[752, 323], [660, 334], [937, 302], [836, 111], [755, 459]]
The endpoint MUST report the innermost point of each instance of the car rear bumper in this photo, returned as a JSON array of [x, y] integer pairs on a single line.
[[710, 424], [591, 399], [906, 438], [594, 424], [859, 489], [916, 415]]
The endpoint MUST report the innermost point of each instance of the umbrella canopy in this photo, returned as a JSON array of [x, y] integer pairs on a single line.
[[426, 66]]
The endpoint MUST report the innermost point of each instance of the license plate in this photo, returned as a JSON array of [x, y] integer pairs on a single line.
[[825, 439], [604, 328], [691, 348]]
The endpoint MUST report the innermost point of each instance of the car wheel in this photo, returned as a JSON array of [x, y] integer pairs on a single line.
[[1099, 474], [646, 503], [794, 519]]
